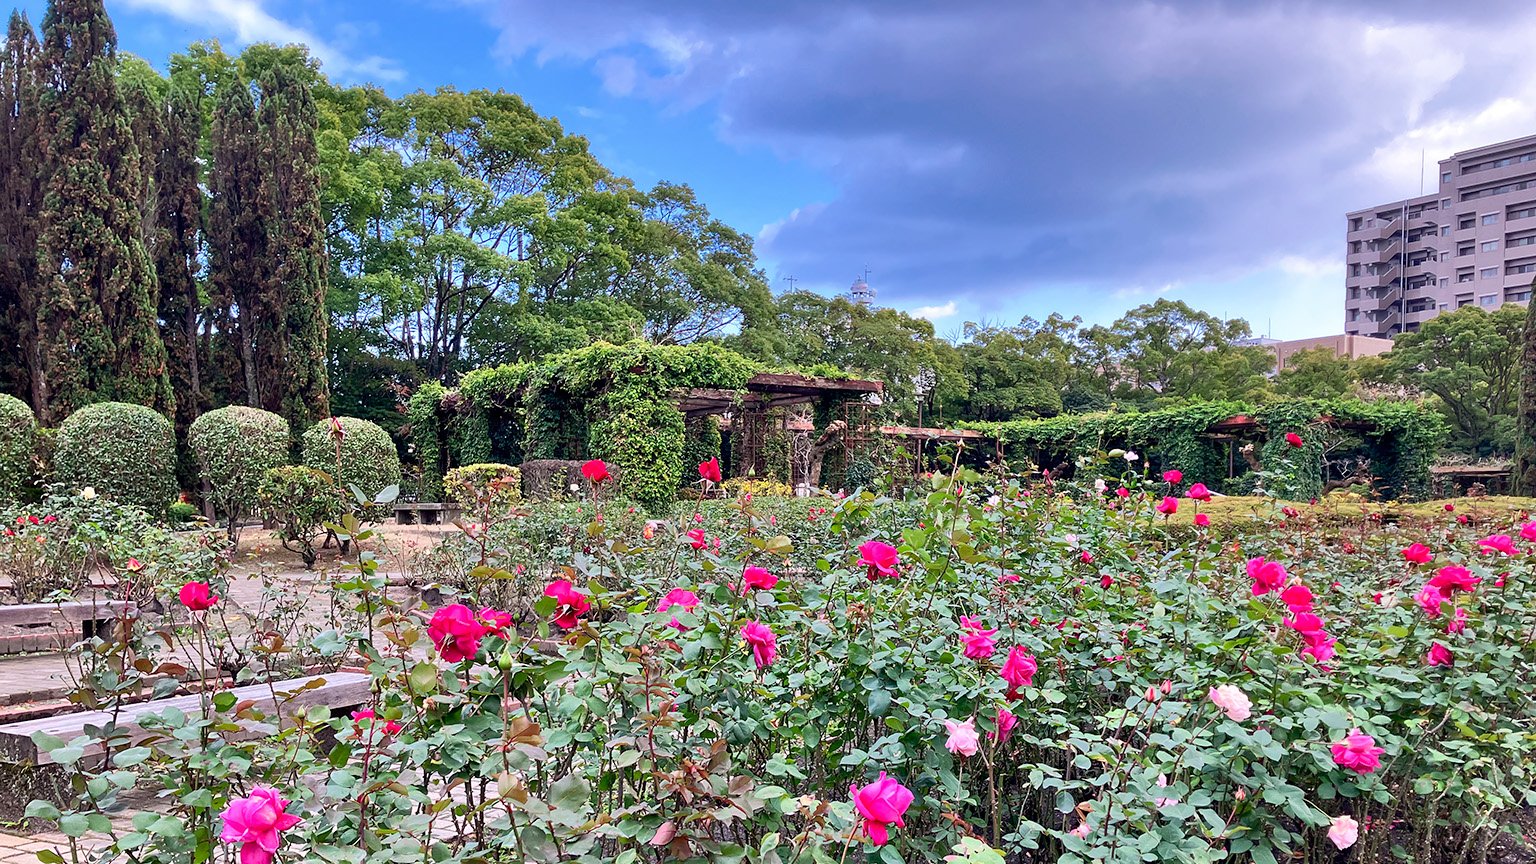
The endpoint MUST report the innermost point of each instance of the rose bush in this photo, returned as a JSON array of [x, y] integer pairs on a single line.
[[1056, 670]]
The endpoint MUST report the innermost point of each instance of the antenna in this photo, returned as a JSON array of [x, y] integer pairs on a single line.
[[791, 279], [866, 272], [1421, 175]]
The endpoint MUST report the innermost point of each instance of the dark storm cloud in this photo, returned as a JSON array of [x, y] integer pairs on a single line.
[[981, 148]]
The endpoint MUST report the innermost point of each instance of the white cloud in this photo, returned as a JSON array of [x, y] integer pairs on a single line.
[[248, 22], [934, 313]]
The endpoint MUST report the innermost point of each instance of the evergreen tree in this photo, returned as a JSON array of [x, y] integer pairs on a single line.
[[176, 250], [1525, 434], [19, 197], [295, 290], [237, 254], [96, 319]]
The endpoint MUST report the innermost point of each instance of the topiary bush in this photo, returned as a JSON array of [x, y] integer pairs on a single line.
[[645, 439], [485, 485], [369, 460], [18, 436], [125, 452], [302, 500], [235, 447]]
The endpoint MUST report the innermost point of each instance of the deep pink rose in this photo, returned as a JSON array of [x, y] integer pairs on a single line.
[[1173, 476], [1453, 578], [390, 727], [1458, 622], [1267, 576], [696, 538], [256, 822], [1418, 553], [1293, 439], [978, 643], [1202, 520], [1438, 655], [456, 632], [1198, 492], [764, 645], [1168, 506], [882, 803], [880, 558], [1527, 531], [710, 470], [1501, 543], [1320, 646], [757, 579], [1304, 622], [1123, 492], [1298, 598], [570, 603], [1005, 723], [496, 621], [1430, 598], [1357, 752], [197, 596], [1019, 670]]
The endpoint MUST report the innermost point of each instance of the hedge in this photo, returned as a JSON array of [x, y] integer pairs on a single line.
[[369, 460], [235, 447], [18, 436], [125, 452]]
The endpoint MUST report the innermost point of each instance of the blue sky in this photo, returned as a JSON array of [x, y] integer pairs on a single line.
[[985, 159]]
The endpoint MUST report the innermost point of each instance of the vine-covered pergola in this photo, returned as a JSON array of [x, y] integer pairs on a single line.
[[1393, 444]]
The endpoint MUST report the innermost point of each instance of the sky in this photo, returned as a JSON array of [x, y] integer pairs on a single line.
[[983, 160]]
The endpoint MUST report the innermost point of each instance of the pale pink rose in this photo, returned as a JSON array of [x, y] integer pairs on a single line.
[[1232, 701], [963, 740], [1344, 831]]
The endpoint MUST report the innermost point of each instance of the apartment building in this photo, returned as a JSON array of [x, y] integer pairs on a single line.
[[1472, 241]]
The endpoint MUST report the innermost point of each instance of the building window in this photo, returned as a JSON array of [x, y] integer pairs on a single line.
[[1517, 297], [1354, 314], [1464, 276], [1465, 249], [1444, 282], [1445, 230], [1490, 218], [1446, 177], [1354, 293], [1467, 221], [1490, 273], [1521, 268], [1522, 213], [1523, 241], [1487, 300], [1354, 224], [1490, 246]]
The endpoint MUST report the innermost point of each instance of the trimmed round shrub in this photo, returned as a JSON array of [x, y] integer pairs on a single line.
[[235, 447], [125, 452], [368, 456], [302, 500], [484, 484], [18, 436]]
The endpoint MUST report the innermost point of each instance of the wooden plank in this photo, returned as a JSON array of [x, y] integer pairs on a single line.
[[60, 613], [337, 690]]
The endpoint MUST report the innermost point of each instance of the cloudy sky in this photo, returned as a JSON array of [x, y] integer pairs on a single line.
[[984, 160]]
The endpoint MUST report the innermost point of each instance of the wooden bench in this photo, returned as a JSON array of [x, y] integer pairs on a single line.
[[426, 513], [339, 691], [56, 626]]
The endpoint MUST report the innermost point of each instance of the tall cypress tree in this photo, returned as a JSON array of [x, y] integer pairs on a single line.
[[290, 203], [1525, 412], [19, 196], [175, 246], [96, 319], [237, 247]]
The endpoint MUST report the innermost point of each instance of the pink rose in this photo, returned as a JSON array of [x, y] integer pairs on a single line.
[[1174, 477], [390, 727], [1458, 622], [257, 822], [571, 604], [1343, 832], [1232, 702], [963, 740], [1267, 576], [1293, 439], [678, 597], [1123, 492], [1019, 670], [1168, 506], [456, 633], [1501, 543], [1527, 531], [757, 579], [696, 538], [880, 558], [197, 596], [1202, 520], [1198, 492], [1418, 553], [1298, 598], [978, 643], [1005, 722], [595, 470], [1438, 655], [1430, 598], [710, 470], [1320, 646], [1453, 578], [764, 645], [1357, 752], [882, 804]]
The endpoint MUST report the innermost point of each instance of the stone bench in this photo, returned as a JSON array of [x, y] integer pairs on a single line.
[[338, 691], [426, 514], [56, 626]]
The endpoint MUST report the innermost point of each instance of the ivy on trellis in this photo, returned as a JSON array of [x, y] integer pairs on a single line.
[[1400, 439]]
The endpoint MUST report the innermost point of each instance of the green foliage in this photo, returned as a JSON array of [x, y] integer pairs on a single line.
[[365, 456], [1317, 373], [18, 436], [302, 500], [90, 230], [125, 452], [484, 485], [235, 447], [701, 443], [1525, 433], [1469, 360], [644, 438], [1401, 438], [426, 433]]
